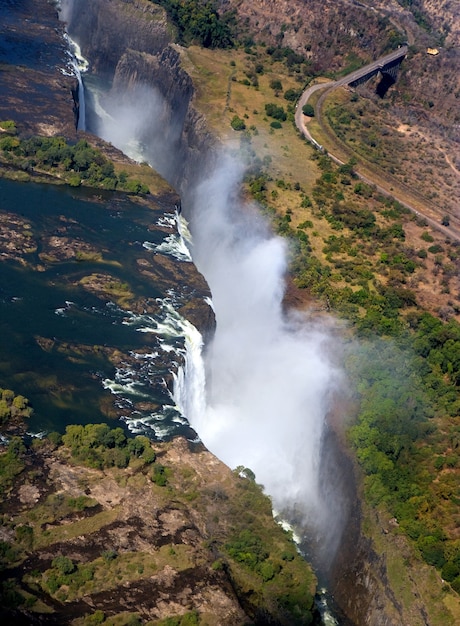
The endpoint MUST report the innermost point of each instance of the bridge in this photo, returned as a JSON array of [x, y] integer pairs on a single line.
[[387, 66]]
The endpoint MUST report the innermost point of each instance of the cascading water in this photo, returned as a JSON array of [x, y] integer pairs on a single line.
[[269, 376], [78, 65], [261, 395]]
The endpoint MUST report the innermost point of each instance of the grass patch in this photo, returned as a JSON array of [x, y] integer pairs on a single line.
[[145, 175], [66, 532], [221, 94], [110, 570]]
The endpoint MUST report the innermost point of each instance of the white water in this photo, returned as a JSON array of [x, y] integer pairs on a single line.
[[268, 379], [173, 333], [79, 65]]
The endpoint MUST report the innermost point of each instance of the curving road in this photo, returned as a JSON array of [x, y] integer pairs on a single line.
[[453, 230]]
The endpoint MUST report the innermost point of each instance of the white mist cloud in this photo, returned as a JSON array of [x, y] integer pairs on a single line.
[[123, 120], [269, 376]]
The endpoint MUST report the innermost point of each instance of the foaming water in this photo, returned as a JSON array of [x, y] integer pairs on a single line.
[[261, 397], [269, 379], [78, 66]]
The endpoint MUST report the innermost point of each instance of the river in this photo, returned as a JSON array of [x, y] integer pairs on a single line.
[[69, 344]]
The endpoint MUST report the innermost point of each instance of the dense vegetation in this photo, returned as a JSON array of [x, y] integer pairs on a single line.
[[99, 446], [78, 164], [198, 21], [13, 408]]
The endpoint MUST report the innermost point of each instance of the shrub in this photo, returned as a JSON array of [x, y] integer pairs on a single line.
[[308, 110], [450, 571], [63, 565], [275, 111], [237, 123], [432, 550], [9, 126], [276, 85], [109, 555], [159, 476], [97, 617], [25, 535], [11, 598], [291, 95]]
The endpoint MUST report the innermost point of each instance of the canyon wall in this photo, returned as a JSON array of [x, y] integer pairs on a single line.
[[334, 33], [129, 44]]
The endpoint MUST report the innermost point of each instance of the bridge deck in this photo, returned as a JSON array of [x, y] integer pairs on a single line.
[[377, 66]]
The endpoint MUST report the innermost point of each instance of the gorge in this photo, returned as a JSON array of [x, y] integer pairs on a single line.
[[270, 379], [275, 396]]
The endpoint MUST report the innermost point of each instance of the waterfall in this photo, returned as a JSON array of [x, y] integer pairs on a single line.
[[190, 381], [260, 395], [79, 65]]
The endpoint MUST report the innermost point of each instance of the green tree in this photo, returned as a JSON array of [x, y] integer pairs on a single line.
[[237, 123], [291, 95], [275, 111], [276, 85], [63, 565]]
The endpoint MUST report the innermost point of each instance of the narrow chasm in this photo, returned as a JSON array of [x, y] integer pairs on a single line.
[[270, 381]]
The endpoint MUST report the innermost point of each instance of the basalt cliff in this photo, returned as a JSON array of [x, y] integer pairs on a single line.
[[130, 45]]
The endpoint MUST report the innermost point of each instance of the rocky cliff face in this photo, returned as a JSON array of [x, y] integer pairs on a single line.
[[334, 33], [114, 544], [128, 43], [327, 31], [106, 29]]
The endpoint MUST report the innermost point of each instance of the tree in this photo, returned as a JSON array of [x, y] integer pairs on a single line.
[[276, 85], [200, 22], [237, 123], [275, 111], [308, 110], [63, 564], [291, 95]]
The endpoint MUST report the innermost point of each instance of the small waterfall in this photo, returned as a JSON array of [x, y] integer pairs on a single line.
[[79, 66], [190, 381]]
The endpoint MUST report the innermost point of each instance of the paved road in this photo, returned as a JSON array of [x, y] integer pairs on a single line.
[[345, 80], [453, 231]]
